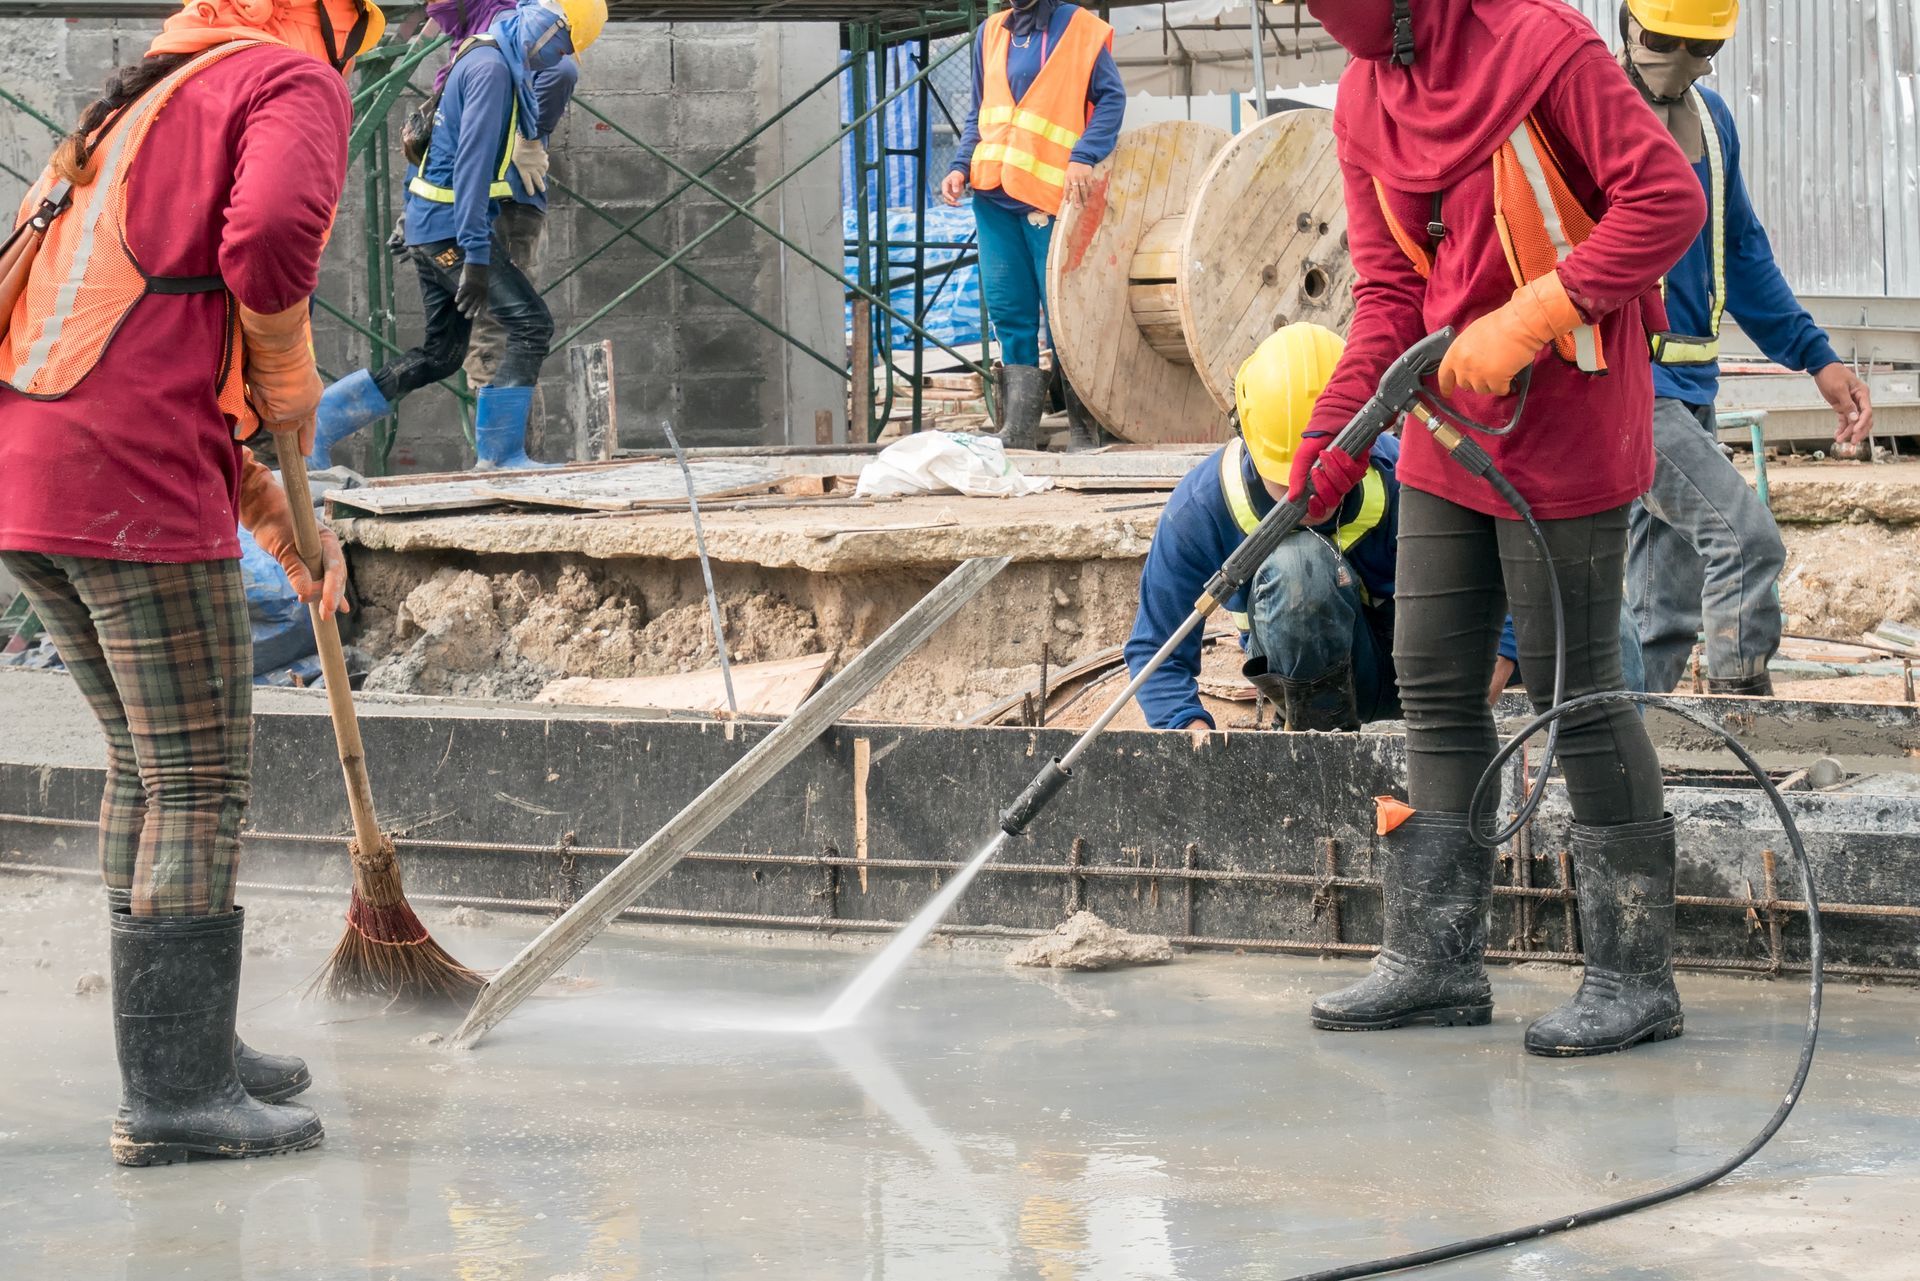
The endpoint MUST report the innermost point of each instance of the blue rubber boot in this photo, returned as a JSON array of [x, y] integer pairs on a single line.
[[345, 408], [500, 428]]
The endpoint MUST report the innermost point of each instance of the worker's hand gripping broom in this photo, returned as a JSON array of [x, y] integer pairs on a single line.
[[386, 951]]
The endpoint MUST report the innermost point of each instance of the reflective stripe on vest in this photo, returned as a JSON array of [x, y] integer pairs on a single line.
[[1233, 485], [500, 188], [1025, 146], [1687, 349], [85, 280], [1539, 221]]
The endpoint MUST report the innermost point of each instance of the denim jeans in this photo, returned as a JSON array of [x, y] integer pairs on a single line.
[[1308, 616], [512, 299], [1704, 554], [1013, 275]]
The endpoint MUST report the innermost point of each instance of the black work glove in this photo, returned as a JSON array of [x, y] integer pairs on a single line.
[[472, 294]]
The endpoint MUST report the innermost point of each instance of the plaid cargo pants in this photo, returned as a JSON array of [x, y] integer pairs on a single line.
[[164, 656]]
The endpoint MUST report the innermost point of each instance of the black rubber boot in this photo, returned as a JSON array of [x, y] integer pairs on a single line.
[[176, 991], [1760, 684], [1624, 879], [998, 407], [271, 1078], [1438, 884], [1083, 433], [1326, 704], [1026, 390]]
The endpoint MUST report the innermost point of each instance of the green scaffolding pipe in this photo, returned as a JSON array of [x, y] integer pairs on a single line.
[[697, 278], [26, 107], [792, 106], [739, 209]]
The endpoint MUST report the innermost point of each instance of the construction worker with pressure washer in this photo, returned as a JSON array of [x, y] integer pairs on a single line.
[[1317, 621], [1704, 550], [1503, 180], [486, 109], [176, 237]]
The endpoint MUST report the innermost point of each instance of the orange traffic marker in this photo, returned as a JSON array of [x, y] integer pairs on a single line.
[[1389, 813]]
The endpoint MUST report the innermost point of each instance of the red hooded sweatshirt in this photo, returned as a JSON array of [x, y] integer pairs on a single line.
[[239, 178], [1585, 441]]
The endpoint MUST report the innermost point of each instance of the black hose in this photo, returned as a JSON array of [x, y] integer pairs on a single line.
[[1816, 939]]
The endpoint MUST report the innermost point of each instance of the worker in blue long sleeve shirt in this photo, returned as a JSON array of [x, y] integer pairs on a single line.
[[522, 220], [1704, 552], [1047, 107], [1317, 620], [484, 111]]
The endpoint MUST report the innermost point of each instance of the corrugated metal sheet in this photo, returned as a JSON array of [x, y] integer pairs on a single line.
[[1824, 93]]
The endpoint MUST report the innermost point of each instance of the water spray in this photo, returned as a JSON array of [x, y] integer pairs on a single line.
[[1402, 391]]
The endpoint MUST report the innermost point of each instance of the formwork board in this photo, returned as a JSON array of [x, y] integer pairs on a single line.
[[1256, 840]]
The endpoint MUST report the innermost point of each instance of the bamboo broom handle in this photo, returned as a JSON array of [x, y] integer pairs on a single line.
[[333, 660]]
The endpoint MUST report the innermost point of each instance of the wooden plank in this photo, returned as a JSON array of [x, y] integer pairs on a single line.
[[590, 400], [582, 922], [774, 688]]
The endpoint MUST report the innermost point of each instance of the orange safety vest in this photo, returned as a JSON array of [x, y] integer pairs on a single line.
[[1539, 220], [1025, 145], [85, 280]]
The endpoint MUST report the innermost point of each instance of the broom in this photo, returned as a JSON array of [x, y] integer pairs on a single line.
[[386, 950]]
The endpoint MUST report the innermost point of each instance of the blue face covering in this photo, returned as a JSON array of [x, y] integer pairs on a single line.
[[533, 38]]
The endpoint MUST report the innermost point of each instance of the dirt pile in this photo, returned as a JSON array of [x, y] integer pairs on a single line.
[[1085, 942], [465, 634], [1843, 579]]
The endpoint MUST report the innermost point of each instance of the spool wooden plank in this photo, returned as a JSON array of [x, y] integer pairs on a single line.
[[1265, 245], [1134, 391]]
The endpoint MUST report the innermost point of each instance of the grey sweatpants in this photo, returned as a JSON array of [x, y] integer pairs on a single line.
[[524, 229], [1703, 554]]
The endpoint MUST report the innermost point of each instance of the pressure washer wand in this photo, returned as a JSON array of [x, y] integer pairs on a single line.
[[1395, 396]]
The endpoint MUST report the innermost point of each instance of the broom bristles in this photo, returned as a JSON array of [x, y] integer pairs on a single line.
[[387, 951]]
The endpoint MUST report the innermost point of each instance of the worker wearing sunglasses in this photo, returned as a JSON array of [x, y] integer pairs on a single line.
[[1703, 551]]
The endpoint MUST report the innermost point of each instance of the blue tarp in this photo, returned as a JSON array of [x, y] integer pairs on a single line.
[[952, 301]]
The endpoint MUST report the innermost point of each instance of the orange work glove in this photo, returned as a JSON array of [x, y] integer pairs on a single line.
[[281, 379], [265, 512], [1496, 347]]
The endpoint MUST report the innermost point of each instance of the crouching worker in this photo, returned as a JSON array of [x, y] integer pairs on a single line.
[[163, 320], [487, 105], [1317, 620]]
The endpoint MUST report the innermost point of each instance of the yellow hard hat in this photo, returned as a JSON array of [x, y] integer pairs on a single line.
[[1688, 19], [585, 20], [1276, 388]]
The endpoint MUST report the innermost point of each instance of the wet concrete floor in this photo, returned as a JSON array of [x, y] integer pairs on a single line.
[[1180, 1122]]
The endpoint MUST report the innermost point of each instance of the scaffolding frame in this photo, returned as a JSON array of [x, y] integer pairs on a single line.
[[882, 265]]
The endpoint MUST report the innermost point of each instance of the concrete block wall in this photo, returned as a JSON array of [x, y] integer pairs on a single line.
[[680, 352]]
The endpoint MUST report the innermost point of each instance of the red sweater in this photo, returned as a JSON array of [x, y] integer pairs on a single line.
[[1585, 442], [239, 177]]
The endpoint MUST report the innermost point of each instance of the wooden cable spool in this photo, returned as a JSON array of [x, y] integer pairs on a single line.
[[1195, 246]]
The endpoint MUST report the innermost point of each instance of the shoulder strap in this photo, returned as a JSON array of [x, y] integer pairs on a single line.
[[1422, 261]]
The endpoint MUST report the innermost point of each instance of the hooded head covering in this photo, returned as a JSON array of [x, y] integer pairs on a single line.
[[1479, 67], [331, 30], [533, 38], [458, 19], [1029, 16], [1663, 79]]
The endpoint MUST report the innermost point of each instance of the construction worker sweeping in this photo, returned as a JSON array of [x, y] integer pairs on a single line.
[[1047, 107], [1317, 621], [164, 321], [486, 109], [1704, 549], [1501, 177]]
